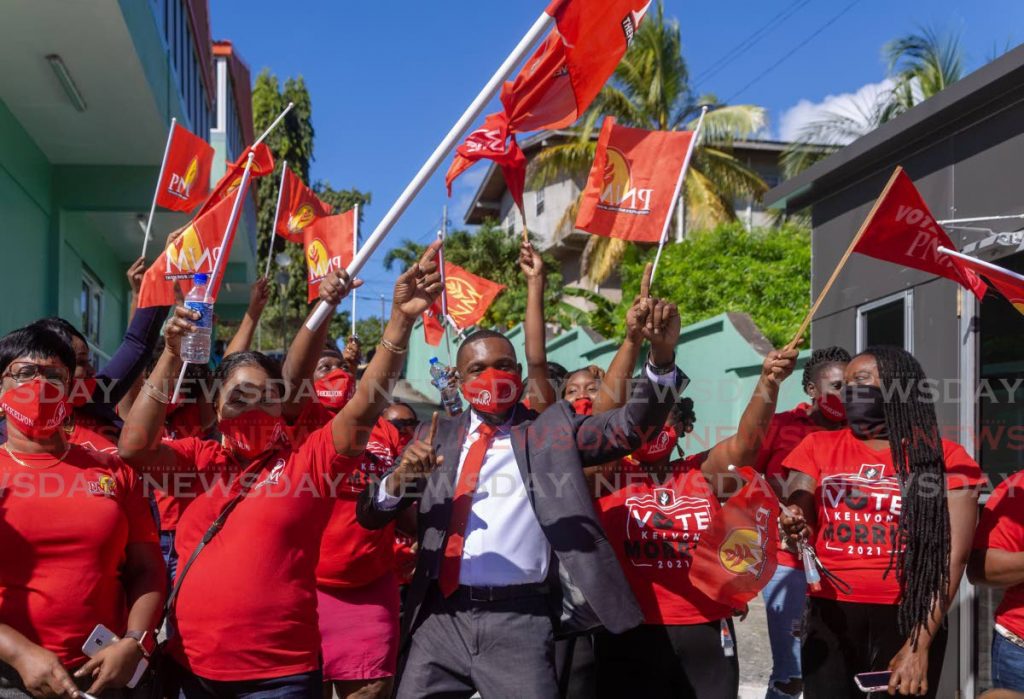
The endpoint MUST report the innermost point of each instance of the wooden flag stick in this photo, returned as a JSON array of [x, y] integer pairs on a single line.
[[842, 261]]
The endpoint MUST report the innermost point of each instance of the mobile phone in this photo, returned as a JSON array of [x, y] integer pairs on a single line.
[[102, 637], [873, 681]]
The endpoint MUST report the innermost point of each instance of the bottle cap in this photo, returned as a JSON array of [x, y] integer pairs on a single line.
[[200, 279], [433, 360]]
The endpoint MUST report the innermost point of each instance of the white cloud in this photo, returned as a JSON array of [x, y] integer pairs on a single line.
[[856, 106]]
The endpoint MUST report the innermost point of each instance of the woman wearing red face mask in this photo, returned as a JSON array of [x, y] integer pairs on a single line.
[[653, 516], [79, 544], [246, 608], [786, 593]]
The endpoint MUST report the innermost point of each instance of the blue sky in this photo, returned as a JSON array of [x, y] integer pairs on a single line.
[[388, 79]]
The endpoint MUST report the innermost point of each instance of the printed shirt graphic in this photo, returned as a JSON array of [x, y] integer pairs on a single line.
[[1002, 527], [654, 524], [859, 507]]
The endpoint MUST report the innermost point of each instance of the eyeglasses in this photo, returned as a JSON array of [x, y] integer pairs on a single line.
[[24, 372]]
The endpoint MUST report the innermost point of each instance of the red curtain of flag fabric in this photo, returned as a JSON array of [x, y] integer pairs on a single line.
[[736, 555], [195, 249], [262, 164], [300, 207], [328, 243], [186, 172], [557, 83], [468, 298], [901, 229], [629, 193], [1007, 283]]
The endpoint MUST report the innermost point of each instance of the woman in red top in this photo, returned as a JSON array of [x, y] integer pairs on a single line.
[[246, 613], [890, 508], [685, 646], [785, 595], [79, 544]]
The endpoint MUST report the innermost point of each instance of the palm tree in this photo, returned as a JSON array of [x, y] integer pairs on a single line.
[[920, 66], [650, 89]]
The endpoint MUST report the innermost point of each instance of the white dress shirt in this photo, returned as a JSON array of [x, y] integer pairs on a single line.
[[504, 542]]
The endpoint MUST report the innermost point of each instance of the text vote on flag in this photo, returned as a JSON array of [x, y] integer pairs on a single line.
[[186, 172], [629, 193], [328, 244]]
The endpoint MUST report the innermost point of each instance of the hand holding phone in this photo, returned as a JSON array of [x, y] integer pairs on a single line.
[[102, 637], [873, 681]]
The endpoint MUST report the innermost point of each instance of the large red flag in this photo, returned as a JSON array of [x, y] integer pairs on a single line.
[[735, 557], [186, 171], [299, 208], [195, 249], [468, 297], [901, 229], [262, 164], [492, 141], [562, 77], [630, 192], [1009, 284], [328, 242]]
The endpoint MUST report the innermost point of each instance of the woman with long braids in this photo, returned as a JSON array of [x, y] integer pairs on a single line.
[[890, 508], [785, 595]]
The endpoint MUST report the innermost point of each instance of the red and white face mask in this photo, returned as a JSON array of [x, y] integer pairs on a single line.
[[831, 407], [493, 391], [658, 448], [38, 408], [335, 389], [583, 406], [252, 433]]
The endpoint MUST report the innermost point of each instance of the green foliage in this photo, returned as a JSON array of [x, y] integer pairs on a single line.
[[765, 273]]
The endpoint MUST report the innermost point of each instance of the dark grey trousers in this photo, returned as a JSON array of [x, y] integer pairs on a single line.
[[501, 649]]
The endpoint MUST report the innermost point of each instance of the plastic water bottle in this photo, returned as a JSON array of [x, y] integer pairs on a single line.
[[449, 394], [195, 347]]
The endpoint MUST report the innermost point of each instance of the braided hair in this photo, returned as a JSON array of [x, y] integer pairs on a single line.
[[920, 554], [821, 358]]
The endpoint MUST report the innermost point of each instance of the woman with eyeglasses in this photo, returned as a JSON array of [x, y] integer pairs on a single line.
[[79, 546], [246, 607]]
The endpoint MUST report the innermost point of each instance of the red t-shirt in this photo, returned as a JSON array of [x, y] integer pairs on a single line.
[[64, 527], [170, 494], [785, 431], [247, 609], [1002, 527], [94, 437], [858, 504], [351, 556], [654, 525]]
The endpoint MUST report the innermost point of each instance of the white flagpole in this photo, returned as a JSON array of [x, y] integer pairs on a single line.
[[679, 187], [159, 179], [446, 320], [981, 263], [977, 219], [277, 212], [475, 109], [355, 246], [273, 124]]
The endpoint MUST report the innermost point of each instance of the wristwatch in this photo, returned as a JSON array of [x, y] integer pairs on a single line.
[[146, 641], [661, 370]]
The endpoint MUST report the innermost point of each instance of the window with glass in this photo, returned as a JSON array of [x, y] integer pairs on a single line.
[[887, 321]]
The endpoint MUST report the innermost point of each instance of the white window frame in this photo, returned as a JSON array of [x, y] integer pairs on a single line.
[[95, 290], [907, 297], [538, 204]]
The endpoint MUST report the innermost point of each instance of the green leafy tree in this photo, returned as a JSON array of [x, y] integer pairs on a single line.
[[765, 273], [651, 89]]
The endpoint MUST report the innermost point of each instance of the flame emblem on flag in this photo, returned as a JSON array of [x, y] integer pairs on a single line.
[[233, 187], [617, 178], [463, 298], [741, 552], [302, 217], [317, 259], [186, 250], [191, 172]]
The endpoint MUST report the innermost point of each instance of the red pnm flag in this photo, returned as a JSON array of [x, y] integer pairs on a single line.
[[559, 81], [299, 208], [735, 557], [632, 184], [186, 171], [328, 243], [262, 164], [901, 229], [195, 249], [468, 297], [1009, 284]]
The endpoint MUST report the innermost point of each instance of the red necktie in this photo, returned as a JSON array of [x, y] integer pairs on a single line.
[[448, 579]]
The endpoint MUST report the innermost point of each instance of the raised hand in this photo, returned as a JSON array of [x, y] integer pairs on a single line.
[[135, 274], [662, 330], [258, 296], [336, 286], [779, 364], [418, 461], [636, 316], [177, 327], [530, 262], [419, 285]]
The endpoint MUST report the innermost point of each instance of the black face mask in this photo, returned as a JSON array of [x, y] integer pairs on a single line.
[[865, 411]]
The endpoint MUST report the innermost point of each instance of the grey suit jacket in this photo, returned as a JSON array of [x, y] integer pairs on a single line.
[[551, 450]]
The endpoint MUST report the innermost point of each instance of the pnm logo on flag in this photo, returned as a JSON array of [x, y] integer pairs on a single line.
[[186, 171], [468, 297], [328, 242], [300, 207], [632, 183]]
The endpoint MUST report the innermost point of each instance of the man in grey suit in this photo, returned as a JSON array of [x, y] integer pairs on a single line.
[[510, 549]]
